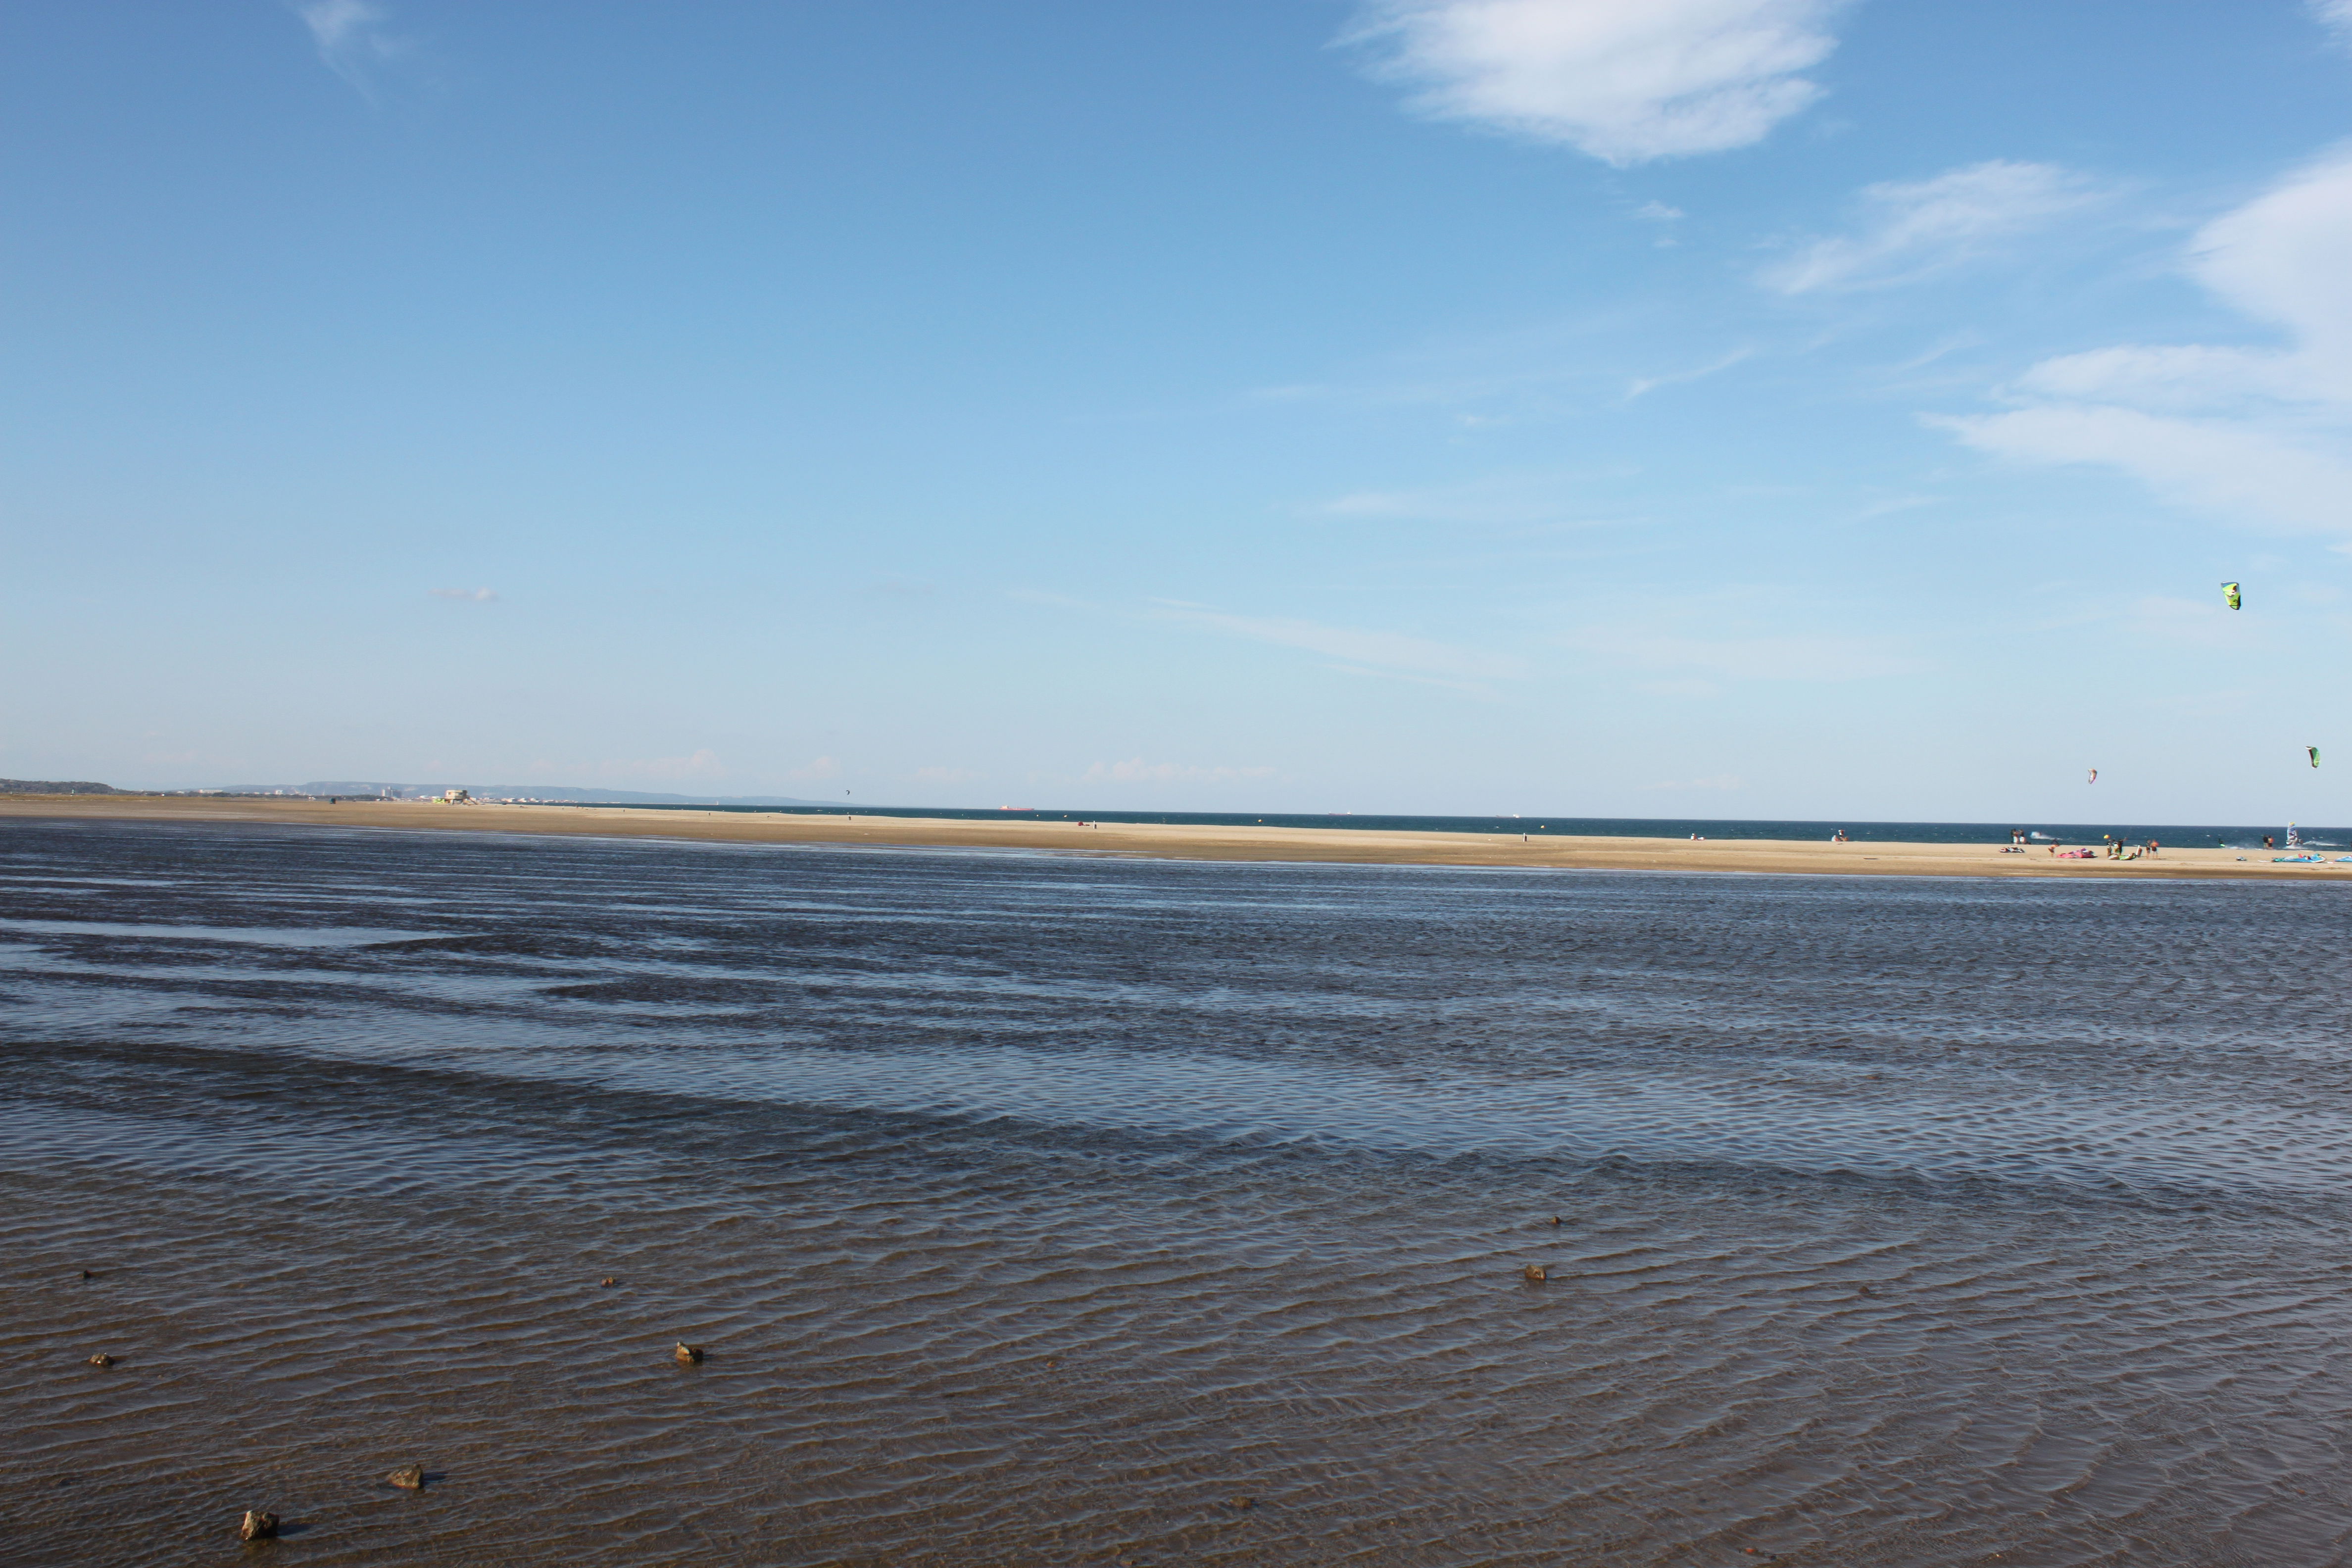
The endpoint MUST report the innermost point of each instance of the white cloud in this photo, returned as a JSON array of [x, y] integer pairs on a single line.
[[350, 35], [1658, 212], [1915, 227], [472, 595], [1135, 770], [1388, 650], [1624, 80], [2335, 16], [2235, 467], [822, 768], [2263, 436]]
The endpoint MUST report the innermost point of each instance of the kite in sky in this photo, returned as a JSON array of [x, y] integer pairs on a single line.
[[2093, 778], [2315, 754], [2230, 593]]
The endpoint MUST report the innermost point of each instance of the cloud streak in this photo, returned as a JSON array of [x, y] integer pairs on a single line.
[[1793, 657], [349, 36], [1911, 229], [1386, 650], [1495, 500], [1626, 83], [471, 595], [1135, 770]]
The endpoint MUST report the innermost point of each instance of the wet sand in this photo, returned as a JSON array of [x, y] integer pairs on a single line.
[[1042, 1209], [1182, 841]]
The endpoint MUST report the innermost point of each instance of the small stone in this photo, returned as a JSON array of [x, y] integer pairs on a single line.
[[408, 1477], [1555, 1219], [88, 1275], [608, 1279], [101, 1360], [688, 1355], [258, 1525], [1534, 1273], [1244, 1502]]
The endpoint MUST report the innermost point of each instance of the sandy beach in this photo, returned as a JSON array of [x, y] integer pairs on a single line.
[[1180, 841]]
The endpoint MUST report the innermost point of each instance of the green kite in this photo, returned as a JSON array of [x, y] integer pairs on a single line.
[[2230, 593]]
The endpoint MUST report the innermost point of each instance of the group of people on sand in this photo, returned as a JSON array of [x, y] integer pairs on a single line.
[[2112, 848]]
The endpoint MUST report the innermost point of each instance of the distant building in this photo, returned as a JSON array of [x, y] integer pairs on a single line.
[[456, 796]]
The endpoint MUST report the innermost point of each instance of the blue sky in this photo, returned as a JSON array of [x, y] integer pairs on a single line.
[[1712, 408]]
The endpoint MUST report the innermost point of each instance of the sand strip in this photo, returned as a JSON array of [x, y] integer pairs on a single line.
[[1182, 841]]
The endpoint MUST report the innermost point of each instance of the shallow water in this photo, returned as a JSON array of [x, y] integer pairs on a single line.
[[1038, 1209]]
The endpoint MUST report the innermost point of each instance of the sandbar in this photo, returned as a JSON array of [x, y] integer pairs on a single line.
[[1176, 841]]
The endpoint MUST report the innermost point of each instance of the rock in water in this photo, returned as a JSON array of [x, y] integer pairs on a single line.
[[258, 1526], [101, 1359], [608, 1279], [688, 1355], [408, 1477], [1534, 1273]]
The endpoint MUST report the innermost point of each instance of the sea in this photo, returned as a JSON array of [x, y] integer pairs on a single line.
[[1038, 1208]]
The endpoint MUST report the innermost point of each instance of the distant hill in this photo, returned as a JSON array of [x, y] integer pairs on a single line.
[[55, 787]]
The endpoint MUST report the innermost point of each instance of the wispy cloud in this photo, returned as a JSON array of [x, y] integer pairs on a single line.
[[350, 38], [1623, 81], [2189, 623], [1494, 501], [471, 595], [1910, 229], [701, 764], [2260, 436], [1386, 650], [1802, 657], [1641, 385], [822, 768], [1135, 770], [2335, 16]]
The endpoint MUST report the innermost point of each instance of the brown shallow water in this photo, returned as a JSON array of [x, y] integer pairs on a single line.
[[1042, 1211]]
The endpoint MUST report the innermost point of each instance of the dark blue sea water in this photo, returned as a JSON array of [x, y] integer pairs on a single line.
[[1044, 1209], [2185, 835]]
